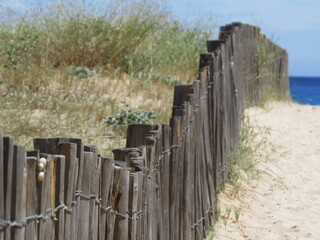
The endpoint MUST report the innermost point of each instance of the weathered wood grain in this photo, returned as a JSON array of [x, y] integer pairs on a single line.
[[106, 181], [165, 182], [137, 134], [59, 162], [121, 203], [84, 201], [2, 188], [47, 198], [114, 201], [19, 193], [8, 164], [69, 150], [133, 206], [175, 125], [139, 215], [95, 192], [32, 201]]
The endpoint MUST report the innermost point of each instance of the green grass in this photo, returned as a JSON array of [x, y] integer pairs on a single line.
[[246, 155], [71, 107]]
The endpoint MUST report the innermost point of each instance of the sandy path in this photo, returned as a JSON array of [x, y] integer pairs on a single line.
[[285, 203]]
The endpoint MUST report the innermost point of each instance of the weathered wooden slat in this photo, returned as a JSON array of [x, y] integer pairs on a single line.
[[121, 201], [138, 183], [115, 197], [156, 168], [181, 93], [76, 208], [137, 134], [94, 207], [84, 200], [19, 189], [32, 202], [124, 154], [152, 158], [2, 188], [133, 205], [213, 45], [165, 182], [144, 196], [8, 164], [195, 146], [188, 187], [59, 162], [46, 198], [175, 125], [106, 188], [205, 58], [69, 150], [136, 160]]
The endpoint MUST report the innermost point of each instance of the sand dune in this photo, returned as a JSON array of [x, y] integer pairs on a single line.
[[284, 203]]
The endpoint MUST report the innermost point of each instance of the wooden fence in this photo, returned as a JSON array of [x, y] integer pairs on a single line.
[[162, 185]]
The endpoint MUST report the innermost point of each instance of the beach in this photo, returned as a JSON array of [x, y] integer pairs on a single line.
[[284, 202]]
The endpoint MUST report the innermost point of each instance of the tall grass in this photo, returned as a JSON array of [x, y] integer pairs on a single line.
[[133, 36]]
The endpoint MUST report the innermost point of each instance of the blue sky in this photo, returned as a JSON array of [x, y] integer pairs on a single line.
[[293, 24]]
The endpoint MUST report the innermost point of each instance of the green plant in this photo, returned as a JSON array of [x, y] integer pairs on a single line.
[[125, 117], [242, 159], [225, 217], [210, 234], [237, 212]]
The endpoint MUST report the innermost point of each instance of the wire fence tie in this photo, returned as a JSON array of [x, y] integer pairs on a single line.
[[166, 151], [4, 224], [106, 209], [61, 206]]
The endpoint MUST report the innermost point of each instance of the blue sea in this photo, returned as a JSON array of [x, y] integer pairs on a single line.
[[305, 90]]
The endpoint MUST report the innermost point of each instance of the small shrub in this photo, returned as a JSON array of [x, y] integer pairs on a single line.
[[125, 117], [82, 71]]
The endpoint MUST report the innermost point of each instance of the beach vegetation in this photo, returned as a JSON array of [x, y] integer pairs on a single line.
[[65, 66], [126, 117], [243, 169]]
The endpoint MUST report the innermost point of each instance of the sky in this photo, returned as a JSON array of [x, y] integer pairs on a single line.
[[292, 24]]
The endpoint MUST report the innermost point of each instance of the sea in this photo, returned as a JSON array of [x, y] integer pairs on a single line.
[[305, 90]]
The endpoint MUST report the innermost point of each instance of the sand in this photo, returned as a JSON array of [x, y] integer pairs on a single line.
[[285, 202]]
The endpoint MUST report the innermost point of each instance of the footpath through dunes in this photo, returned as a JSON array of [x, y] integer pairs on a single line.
[[285, 202]]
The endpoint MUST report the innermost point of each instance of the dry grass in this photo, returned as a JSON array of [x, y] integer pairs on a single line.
[[72, 107]]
